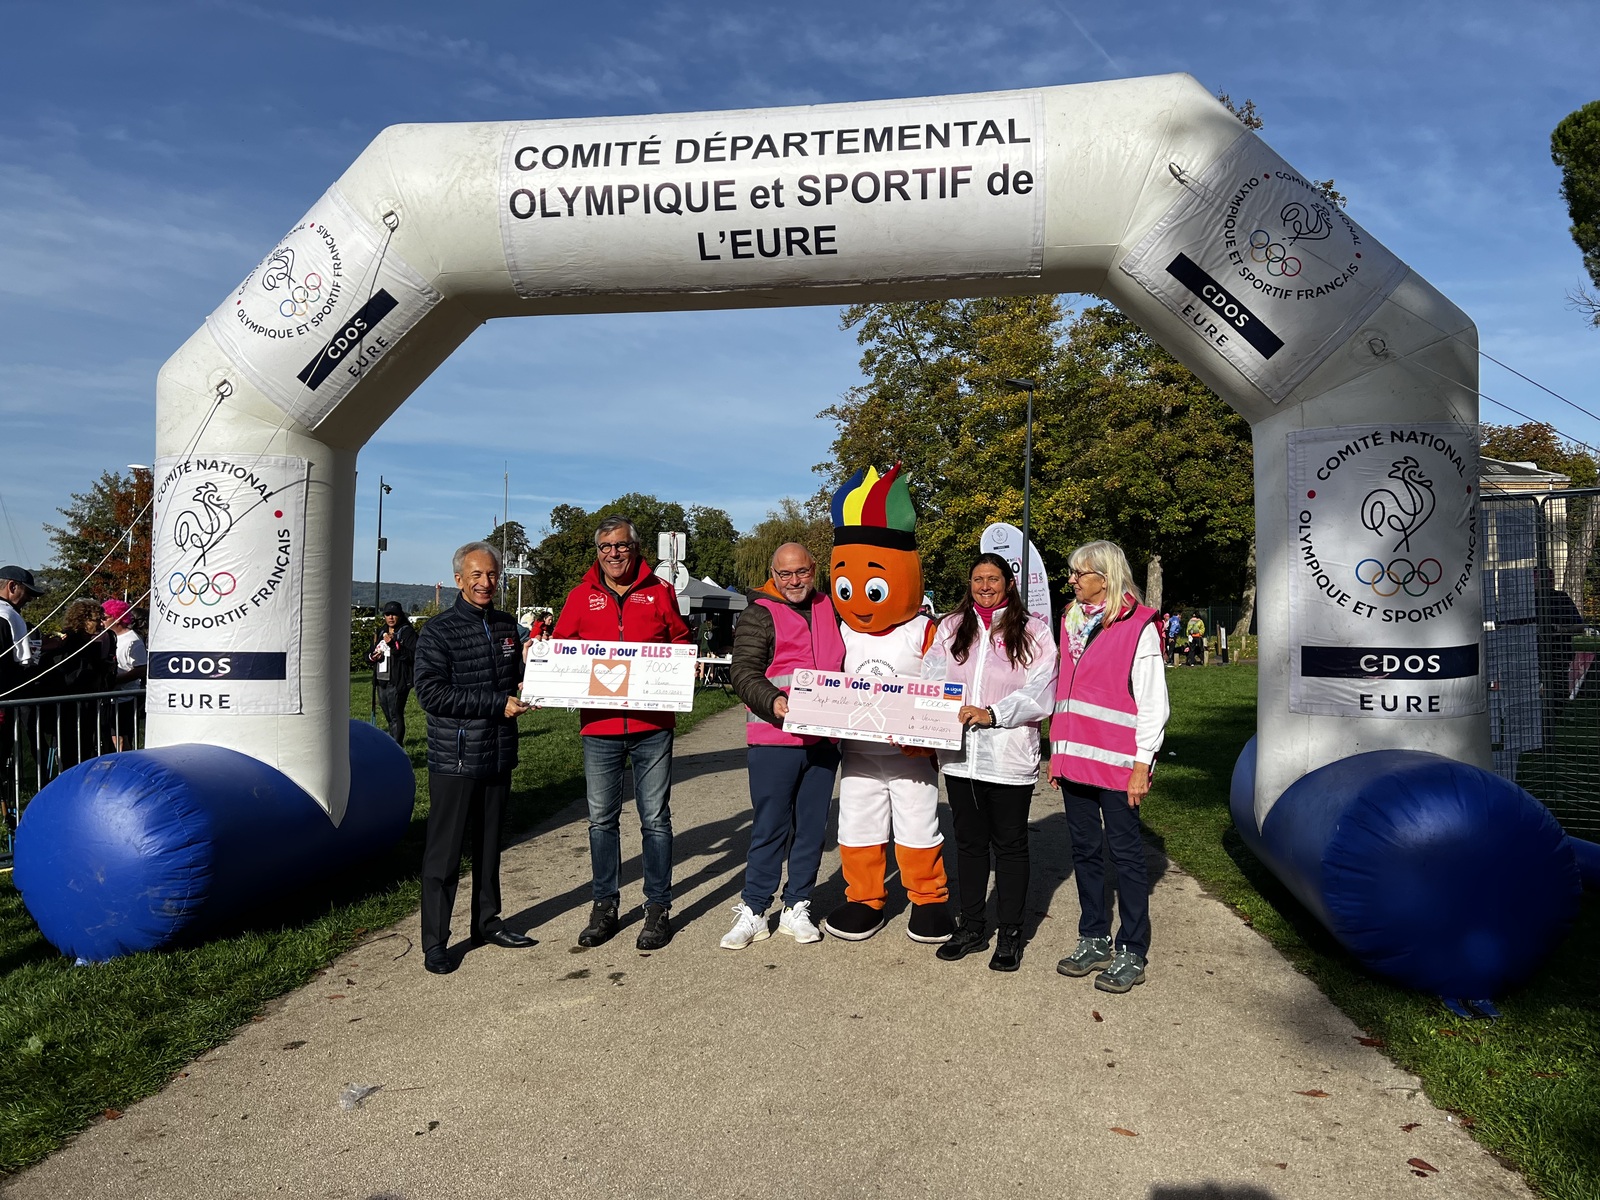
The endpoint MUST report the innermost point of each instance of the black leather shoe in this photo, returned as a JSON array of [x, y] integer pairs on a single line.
[[967, 939], [504, 937], [657, 931], [602, 926], [1007, 949], [439, 962]]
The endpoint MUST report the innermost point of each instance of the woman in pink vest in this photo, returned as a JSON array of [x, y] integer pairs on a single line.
[[1110, 717], [1007, 660]]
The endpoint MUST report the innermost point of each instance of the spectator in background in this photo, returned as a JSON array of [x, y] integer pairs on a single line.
[[73, 662], [18, 659], [393, 659], [1174, 632], [132, 662], [1196, 631]]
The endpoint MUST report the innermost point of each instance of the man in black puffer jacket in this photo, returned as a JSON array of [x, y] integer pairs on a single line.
[[468, 667]]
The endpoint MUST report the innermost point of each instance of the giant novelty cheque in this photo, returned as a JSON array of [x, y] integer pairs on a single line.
[[640, 676], [875, 708]]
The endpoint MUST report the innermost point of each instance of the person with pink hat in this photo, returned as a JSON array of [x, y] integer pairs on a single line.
[[132, 659]]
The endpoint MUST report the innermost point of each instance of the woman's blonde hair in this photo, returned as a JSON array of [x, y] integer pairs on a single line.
[[1108, 559]]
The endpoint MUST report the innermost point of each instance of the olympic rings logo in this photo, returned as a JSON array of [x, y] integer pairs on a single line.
[[208, 590], [302, 296], [1401, 574], [1276, 257]]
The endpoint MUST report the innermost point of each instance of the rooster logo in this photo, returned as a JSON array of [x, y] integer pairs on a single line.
[[200, 529], [1384, 512], [1307, 224]]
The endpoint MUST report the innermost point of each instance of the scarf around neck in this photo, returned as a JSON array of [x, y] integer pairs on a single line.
[[1078, 624]]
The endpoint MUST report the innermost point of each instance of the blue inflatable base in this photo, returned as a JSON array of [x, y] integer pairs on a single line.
[[1438, 875], [135, 851]]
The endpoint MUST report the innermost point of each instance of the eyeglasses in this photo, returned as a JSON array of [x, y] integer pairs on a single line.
[[1076, 574], [616, 548], [794, 576]]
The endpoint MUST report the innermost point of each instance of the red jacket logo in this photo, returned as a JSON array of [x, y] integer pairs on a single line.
[[596, 603]]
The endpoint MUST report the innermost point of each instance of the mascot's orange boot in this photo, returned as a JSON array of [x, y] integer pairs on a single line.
[[883, 790]]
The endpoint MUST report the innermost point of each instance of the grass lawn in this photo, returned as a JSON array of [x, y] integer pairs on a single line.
[[78, 1042], [1528, 1085]]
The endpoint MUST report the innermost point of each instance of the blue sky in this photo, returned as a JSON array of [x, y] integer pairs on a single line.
[[151, 153]]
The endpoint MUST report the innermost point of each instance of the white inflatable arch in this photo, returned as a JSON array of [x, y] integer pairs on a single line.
[[1351, 369]]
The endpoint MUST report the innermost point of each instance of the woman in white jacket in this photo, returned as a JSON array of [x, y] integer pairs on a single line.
[[1007, 659]]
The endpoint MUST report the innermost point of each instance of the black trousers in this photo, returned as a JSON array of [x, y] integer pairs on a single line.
[[990, 816], [462, 813], [392, 699]]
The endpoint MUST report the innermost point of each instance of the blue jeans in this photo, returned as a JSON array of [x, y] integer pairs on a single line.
[[1086, 808], [603, 758], [791, 790]]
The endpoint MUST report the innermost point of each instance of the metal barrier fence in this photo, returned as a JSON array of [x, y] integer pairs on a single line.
[[1541, 610], [44, 736]]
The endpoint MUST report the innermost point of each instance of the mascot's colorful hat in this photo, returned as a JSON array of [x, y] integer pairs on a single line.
[[875, 510]]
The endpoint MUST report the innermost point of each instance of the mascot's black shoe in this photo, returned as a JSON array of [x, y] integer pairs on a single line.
[[853, 921], [930, 923]]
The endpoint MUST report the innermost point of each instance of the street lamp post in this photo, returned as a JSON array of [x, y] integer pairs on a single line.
[[377, 583], [133, 523], [1026, 385]]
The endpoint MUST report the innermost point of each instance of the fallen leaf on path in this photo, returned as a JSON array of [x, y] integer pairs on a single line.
[[1372, 1041], [293, 1045], [1410, 1125], [112, 1114], [1421, 1165], [1281, 1166], [1315, 1094], [1123, 1132], [1095, 1014], [337, 996]]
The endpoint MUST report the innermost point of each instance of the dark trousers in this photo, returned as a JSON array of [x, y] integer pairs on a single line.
[[1099, 817], [990, 817], [392, 699], [791, 789], [462, 812]]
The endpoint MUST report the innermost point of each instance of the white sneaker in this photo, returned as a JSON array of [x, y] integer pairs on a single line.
[[747, 928], [796, 922]]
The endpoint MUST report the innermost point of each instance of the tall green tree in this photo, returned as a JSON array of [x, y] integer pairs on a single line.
[[567, 549], [1575, 147], [93, 547], [713, 545], [809, 524]]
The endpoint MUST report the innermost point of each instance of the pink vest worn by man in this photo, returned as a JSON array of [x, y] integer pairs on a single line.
[[798, 645]]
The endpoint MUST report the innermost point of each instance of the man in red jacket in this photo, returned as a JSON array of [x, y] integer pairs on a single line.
[[621, 599]]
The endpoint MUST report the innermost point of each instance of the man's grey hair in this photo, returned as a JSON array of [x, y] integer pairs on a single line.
[[488, 548], [611, 523]]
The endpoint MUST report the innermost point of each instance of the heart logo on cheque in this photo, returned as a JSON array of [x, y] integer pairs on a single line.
[[609, 677]]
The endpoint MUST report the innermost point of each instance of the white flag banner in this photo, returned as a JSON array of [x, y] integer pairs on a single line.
[[1005, 540], [1264, 267], [831, 194], [329, 301], [1384, 574], [226, 591]]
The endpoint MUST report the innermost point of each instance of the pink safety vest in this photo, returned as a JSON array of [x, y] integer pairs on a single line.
[[797, 645], [1092, 738]]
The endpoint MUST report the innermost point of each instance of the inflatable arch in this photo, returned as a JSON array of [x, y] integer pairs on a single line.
[[1358, 378]]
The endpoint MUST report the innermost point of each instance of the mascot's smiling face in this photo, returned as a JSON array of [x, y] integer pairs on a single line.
[[875, 587], [877, 576]]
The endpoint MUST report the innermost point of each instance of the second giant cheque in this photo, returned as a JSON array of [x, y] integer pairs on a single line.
[[876, 708], [634, 676]]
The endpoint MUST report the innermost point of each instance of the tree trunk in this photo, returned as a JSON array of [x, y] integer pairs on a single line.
[[1249, 613], [1152, 582]]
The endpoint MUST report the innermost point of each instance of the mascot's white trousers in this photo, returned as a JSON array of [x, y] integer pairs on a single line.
[[884, 795]]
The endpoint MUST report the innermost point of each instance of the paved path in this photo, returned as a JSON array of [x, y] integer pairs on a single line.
[[785, 1070]]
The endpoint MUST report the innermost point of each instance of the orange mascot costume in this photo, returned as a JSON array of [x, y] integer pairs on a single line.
[[883, 791]]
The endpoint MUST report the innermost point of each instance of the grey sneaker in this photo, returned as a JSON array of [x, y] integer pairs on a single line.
[[1126, 970], [1091, 955]]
